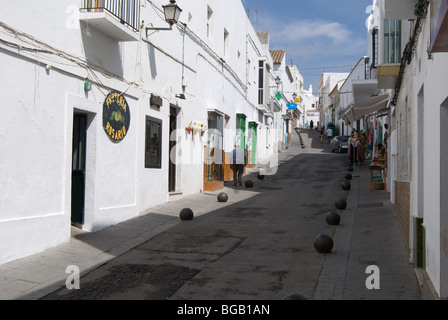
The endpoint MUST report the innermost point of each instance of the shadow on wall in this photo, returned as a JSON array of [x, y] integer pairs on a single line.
[[101, 51], [152, 61]]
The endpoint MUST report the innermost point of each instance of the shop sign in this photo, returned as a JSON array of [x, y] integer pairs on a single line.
[[439, 25], [292, 106], [116, 116]]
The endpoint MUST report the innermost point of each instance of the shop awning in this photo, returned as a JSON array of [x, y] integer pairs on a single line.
[[366, 107]]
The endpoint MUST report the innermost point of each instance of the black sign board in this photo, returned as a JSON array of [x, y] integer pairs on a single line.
[[116, 116]]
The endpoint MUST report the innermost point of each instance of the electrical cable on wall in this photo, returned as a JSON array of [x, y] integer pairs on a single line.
[[40, 50]]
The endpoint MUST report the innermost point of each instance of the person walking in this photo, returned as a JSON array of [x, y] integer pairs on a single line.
[[362, 149], [238, 162], [329, 134]]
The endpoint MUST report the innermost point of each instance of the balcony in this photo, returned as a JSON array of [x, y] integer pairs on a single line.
[[387, 75], [264, 109], [439, 27], [399, 9], [117, 19]]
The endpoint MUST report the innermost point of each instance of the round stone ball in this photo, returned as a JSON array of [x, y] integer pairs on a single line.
[[346, 185], [341, 204], [350, 168], [249, 184], [323, 243], [186, 214], [333, 218], [223, 197], [294, 296], [348, 176]]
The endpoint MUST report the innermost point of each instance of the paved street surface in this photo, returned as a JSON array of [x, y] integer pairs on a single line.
[[256, 246]]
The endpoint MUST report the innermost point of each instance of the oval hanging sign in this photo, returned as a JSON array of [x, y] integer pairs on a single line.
[[116, 116]]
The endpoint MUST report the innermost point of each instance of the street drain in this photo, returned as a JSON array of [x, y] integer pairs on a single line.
[[370, 205], [271, 188]]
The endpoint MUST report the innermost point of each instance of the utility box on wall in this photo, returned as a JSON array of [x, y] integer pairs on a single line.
[[419, 244]]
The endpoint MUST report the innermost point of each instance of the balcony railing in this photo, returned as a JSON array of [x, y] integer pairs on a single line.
[[127, 11]]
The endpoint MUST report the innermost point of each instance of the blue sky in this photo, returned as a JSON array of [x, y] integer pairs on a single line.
[[318, 35]]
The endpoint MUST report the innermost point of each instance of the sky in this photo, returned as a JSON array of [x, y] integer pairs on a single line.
[[317, 35]]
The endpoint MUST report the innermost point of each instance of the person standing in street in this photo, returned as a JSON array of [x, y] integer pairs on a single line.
[[238, 162], [329, 134]]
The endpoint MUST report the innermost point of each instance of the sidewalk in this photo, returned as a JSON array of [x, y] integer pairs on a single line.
[[368, 235], [38, 275], [34, 277]]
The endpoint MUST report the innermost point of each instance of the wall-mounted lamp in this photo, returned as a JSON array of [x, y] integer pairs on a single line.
[[172, 14], [181, 96], [278, 80]]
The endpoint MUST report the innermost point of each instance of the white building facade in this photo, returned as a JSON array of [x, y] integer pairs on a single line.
[[408, 51], [329, 82], [108, 116]]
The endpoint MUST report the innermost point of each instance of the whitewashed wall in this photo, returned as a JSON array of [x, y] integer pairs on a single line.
[[44, 89]]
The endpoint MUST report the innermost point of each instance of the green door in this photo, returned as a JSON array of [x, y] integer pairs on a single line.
[[215, 143], [241, 129], [253, 142]]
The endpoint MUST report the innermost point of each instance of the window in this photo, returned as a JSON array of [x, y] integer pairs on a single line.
[[375, 48], [153, 143], [226, 43], [392, 41], [261, 82], [209, 22]]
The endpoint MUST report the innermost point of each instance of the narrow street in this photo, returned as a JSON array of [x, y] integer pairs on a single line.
[[120, 114], [257, 249]]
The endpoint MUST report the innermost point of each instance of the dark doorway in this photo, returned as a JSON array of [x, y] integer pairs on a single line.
[[78, 168], [172, 155]]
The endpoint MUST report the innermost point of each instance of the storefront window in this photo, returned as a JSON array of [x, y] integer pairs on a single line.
[[153, 143]]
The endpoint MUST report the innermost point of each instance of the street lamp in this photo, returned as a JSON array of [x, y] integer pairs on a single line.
[[172, 14], [278, 81]]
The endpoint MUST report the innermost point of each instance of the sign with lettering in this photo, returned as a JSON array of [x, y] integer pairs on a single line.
[[292, 106], [116, 116]]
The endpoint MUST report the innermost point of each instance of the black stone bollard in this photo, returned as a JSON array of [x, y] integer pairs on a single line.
[[346, 185], [223, 197], [348, 176], [323, 243], [341, 204], [186, 214], [249, 184], [333, 218], [294, 296], [350, 168]]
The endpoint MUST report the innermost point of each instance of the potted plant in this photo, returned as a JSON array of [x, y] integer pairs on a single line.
[[189, 128]]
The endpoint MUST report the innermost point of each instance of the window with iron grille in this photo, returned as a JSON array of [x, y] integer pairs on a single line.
[[261, 82], [153, 143], [127, 11]]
